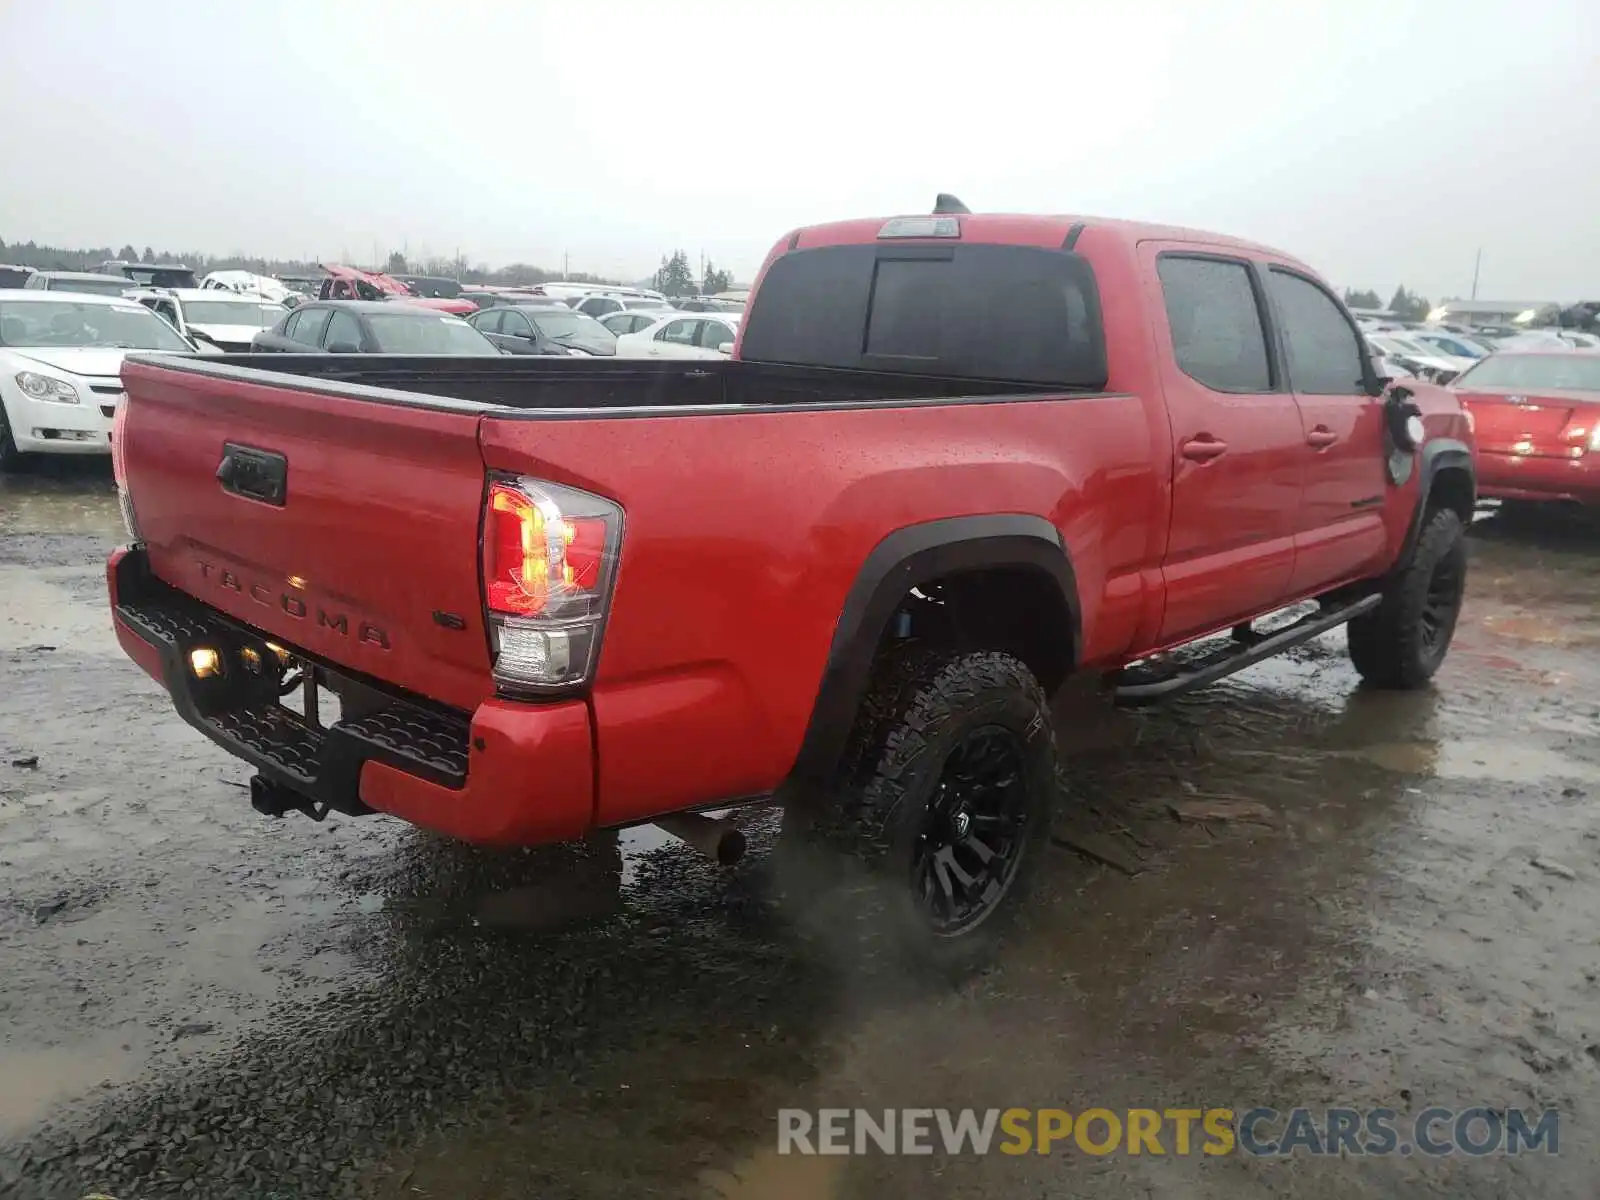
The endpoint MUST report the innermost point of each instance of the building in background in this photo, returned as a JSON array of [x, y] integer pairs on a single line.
[[1495, 312]]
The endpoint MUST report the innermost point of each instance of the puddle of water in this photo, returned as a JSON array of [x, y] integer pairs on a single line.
[[1506, 762], [769, 1175], [40, 612], [36, 1078], [78, 502], [1544, 628]]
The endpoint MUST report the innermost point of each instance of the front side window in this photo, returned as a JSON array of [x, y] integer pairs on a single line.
[[515, 324], [343, 330], [679, 333], [1217, 335], [1324, 353], [714, 334], [312, 323]]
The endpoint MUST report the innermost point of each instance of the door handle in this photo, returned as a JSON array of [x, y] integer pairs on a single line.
[[1203, 448], [1321, 437]]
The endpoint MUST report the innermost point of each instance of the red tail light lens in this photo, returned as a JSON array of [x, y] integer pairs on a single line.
[[535, 556], [549, 556]]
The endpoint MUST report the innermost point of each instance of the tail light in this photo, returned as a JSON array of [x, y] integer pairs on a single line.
[[119, 471], [549, 561]]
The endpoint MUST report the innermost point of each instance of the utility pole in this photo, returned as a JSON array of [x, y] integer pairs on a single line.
[[566, 265], [1476, 263]]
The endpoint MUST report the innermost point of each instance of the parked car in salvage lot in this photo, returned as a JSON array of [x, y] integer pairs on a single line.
[[1538, 424], [620, 323], [60, 358], [218, 318], [604, 609], [679, 335], [352, 283], [371, 327], [84, 283], [543, 329]]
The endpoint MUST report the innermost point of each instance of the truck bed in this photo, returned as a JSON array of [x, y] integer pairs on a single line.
[[583, 385], [751, 495]]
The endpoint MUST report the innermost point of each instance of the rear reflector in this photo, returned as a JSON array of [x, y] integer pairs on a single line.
[[921, 227], [119, 471]]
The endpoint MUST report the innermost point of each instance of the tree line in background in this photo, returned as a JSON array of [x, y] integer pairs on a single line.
[[1408, 306], [675, 277]]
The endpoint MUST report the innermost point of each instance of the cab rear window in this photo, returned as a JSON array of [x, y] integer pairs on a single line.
[[1005, 313]]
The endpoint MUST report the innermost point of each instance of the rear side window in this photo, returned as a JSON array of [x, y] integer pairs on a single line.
[[1004, 313], [312, 323], [1217, 335], [1324, 355]]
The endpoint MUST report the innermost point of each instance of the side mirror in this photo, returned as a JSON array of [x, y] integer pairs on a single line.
[[343, 348], [1374, 382], [205, 346], [725, 348], [1404, 419]]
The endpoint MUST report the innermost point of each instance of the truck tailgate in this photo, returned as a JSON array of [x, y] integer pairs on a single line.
[[369, 558]]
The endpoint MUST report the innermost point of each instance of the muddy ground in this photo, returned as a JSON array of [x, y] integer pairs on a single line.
[[198, 1001]]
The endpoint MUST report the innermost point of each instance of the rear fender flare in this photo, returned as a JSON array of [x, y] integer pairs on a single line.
[[907, 558]]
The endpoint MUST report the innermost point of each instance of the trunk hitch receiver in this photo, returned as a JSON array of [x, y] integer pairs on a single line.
[[274, 800]]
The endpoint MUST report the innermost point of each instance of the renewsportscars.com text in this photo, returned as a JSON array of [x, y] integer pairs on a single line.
[[1260, 1132]]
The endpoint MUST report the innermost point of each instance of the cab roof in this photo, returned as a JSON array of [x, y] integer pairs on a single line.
[[1022, 229]]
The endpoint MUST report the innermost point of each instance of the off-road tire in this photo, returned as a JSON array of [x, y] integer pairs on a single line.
[[1401, 643], [923, 705]]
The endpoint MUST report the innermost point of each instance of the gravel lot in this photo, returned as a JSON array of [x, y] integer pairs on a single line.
[[198, 1001]]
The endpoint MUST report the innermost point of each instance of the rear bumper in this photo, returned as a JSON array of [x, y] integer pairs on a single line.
[[1525, 477], [508, 773]]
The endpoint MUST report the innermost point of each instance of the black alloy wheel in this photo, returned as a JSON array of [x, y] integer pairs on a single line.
[[970, 844]]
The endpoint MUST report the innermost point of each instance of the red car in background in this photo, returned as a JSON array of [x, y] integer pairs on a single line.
[[352, 283], [1538, 421]]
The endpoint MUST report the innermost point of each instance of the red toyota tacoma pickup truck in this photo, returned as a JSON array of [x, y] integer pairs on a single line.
[[954, 459]]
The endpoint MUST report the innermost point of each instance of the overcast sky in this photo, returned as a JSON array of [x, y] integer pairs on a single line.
[[1383, 143]]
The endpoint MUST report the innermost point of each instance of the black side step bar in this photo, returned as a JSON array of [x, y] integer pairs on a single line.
[[1248, 648]]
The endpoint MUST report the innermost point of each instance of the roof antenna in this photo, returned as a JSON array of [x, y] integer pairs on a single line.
[[946, 203]]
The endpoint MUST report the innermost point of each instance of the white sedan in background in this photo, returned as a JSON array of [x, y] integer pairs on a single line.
[[682, 335], [61, 368], [219, 318]]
